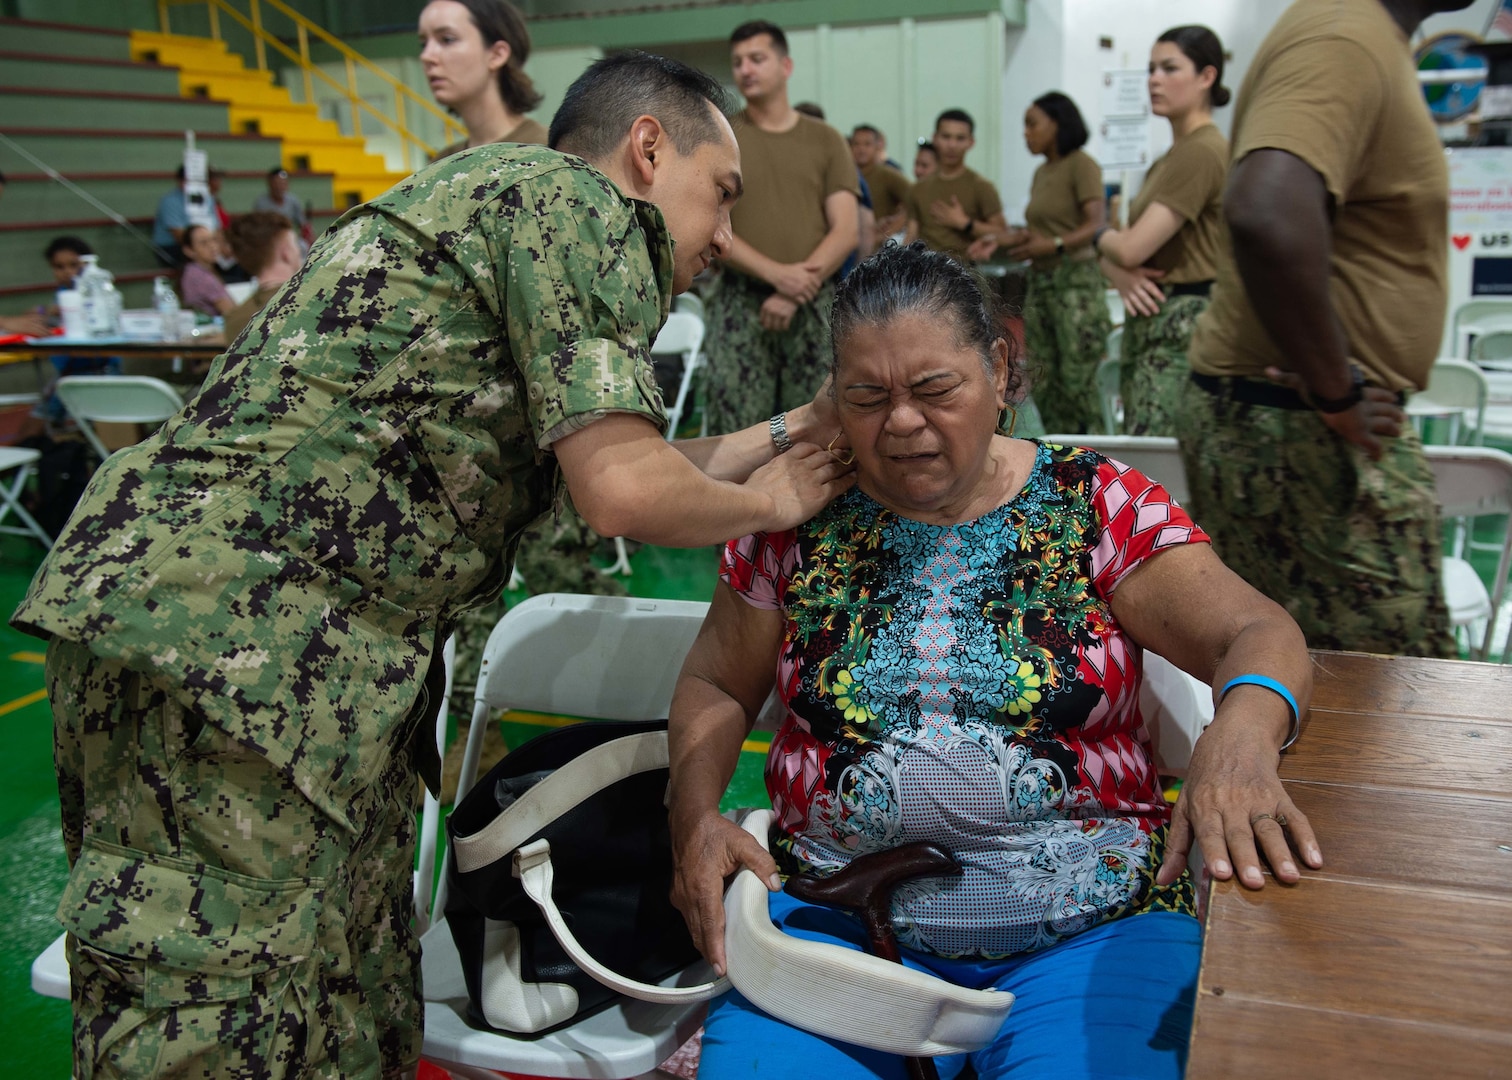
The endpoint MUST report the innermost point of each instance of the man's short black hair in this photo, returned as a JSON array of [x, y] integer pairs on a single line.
[[600, 106], [756, 27], [67, 243], [960, 116], [278, 170], [859, 128]]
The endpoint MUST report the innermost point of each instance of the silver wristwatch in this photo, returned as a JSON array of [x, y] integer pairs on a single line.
[[777, 425]]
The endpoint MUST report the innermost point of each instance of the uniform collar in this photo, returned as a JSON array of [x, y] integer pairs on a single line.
[[659, 245]]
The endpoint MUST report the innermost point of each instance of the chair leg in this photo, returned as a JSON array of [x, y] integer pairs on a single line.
[[621, 563], [11, 497]]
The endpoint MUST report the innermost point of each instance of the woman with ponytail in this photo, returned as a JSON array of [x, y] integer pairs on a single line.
[[1175, 230], [474, 54]]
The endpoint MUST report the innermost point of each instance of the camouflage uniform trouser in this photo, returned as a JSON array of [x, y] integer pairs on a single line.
[[220, 925], [755, 373], [1066, 328], [1349, 546], [1153, 371]]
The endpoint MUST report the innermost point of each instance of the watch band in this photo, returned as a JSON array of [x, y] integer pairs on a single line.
[[777, 425], [1348, 401], [1060, 246]]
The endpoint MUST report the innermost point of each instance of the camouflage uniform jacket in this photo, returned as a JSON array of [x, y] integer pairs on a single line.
[[287, 552]]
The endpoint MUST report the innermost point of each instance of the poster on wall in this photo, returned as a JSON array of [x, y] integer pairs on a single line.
[[1124, 143], [1480, 216], [1125, 93]]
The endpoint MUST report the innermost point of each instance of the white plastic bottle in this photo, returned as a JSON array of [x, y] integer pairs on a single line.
[[102, 302]]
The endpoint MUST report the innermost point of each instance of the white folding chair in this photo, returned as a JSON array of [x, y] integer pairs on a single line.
[[16, 466], [1115, 306], [682, 336], [1157, 456], [1493, 350], [1456, 391], [1475, 319], [602, 657], [1472, 482], [121, 399], [690, 303]]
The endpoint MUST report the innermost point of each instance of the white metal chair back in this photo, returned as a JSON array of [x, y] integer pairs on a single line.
[[1157, 456], [682, 336], [1115, 306], [1456, 390], [1110, 388], [121, 399], [690, 303], [1475, 319], [1472, 482], [1493, 350], [600, 657]]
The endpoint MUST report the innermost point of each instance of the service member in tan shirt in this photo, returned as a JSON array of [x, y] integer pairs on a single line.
[[798, 221], [1300, 461], [474, 57], [889, 187], [1175, 231], [955, 210], [1066, 320]]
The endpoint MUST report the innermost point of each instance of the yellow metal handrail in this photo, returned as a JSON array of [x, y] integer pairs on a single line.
[[253, 23]]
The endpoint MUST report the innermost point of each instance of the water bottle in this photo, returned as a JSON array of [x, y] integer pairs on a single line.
[[101, 300]]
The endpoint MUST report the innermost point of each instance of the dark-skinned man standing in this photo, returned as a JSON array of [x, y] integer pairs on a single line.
[[1300, 460]]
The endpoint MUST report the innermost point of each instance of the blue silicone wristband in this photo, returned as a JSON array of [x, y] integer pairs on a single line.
[[1270, 684]]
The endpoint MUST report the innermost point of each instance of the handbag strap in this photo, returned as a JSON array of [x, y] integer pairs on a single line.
[[843, 994], [532, 865]]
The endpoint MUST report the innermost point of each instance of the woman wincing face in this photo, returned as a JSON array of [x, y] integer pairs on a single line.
[[918, 402]]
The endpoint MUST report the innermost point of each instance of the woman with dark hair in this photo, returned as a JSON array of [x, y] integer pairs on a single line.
[[1066, 320], [956, 643], [474, 54], [1175, 230], [200, 285]]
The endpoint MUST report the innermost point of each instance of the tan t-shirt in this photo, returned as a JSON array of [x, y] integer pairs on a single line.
[[889, 188], [1188, 180], [526, 131], [788, 175], [1334, 84], [1056, 196], [978, 198]]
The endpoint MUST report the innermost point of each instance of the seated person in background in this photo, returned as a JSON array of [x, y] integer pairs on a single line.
[[926, 161], [956, 210], [957, 641], [171, 220], [65, 256], [278, 200], [201, 287], [265, 244]]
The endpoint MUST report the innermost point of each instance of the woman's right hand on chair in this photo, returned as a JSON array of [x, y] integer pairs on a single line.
[[706, 852]]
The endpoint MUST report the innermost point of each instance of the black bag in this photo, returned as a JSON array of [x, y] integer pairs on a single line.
[[63, 473], [594, 792]]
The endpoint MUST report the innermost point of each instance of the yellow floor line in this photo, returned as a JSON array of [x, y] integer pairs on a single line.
[[29, 657], [753, 746], [22, 702]]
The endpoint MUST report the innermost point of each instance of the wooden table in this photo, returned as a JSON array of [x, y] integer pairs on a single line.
[[204, 348], [1394, 960]]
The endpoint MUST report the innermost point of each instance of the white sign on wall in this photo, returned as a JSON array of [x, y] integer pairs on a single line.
[[1124, 143], [1125, 92]]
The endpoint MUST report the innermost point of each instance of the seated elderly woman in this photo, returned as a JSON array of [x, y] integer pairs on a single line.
[[957, 642]]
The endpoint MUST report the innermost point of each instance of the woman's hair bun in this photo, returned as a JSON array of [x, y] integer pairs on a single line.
[[1220, 95]]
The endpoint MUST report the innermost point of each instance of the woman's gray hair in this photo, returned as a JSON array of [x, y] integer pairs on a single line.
[[900, 280]]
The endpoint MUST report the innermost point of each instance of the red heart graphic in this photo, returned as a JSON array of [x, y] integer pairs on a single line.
[[1461, 242]]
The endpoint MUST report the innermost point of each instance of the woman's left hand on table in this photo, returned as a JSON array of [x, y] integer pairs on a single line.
[[1234, 807]]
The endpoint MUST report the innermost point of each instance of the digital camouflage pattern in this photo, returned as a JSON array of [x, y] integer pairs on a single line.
[[287, 554], [220, 925], [1066, 328], [1349, 546], [1153, 370], [754, 374]]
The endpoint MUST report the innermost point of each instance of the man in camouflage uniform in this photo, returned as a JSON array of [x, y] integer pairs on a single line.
[[246, 611]]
